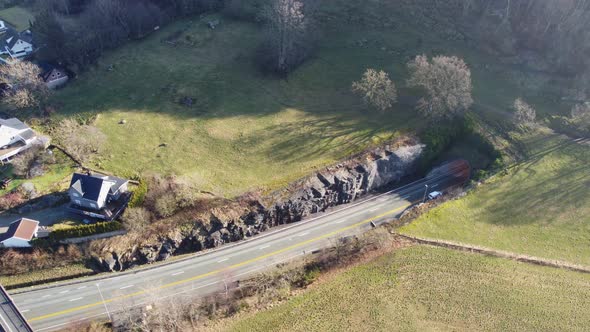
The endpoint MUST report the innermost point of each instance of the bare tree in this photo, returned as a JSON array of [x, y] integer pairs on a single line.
[[580, 115], [80, 141], [23, 84], [376, 89], [288, 42], [524, 115], [447, 82]]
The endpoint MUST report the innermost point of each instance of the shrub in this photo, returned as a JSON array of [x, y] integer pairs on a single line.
[[28, 163], [166, 205], [85, 230], [80, 141], [136, 219], [525, 115], [139, 194], [11, 200]]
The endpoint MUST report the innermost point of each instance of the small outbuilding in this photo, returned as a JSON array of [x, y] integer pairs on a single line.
[[53, 76], [19, 234]]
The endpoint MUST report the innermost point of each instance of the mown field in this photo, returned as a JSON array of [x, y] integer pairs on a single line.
[[422, 288], [17, 16], [247, 130], [540, 207]]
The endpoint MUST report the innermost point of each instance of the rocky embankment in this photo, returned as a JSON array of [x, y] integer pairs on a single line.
[[338, 184]]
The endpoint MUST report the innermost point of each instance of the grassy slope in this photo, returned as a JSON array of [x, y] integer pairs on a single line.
[[540, 208], [247, 130], [244, 129], [423, 288], [17, 16]]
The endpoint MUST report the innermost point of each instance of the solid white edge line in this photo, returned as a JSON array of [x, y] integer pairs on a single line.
[[6, 324]]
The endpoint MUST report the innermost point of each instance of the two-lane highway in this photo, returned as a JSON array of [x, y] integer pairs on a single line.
[[52, 308]]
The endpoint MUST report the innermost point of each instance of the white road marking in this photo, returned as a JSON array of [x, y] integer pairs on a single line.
[[264, 247], [23, 311], [5, 323], [82, 287], [373, 210], [340, 221], [76, 299], [303, 234], [178, 273], [44, 296], [64, 292], [128, 286], [222, 260]]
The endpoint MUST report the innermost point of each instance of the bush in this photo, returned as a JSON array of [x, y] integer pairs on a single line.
[[525, 115], [139, 194], [136, 219], [11, 200], [29, 163], [166, 205], [85, 230]]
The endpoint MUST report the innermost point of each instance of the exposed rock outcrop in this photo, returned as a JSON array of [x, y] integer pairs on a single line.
[[338, 184]]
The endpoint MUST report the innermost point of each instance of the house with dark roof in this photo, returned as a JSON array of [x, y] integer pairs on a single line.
[[98, 195], [16, 44], [15, 137], [19, 234], [53, 76]]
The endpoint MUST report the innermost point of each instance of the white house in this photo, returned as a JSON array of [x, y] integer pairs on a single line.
[[96, 191], [19, 234], [3, 26], [15, 137], [16, 44]]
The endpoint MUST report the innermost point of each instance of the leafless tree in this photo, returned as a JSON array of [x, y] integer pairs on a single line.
[[376, 89], [580, 115], [524, 115], [80, 141], [447, 82], [288, 42], [23, 86]]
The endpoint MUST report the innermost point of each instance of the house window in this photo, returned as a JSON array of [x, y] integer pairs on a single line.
[[76, 195]]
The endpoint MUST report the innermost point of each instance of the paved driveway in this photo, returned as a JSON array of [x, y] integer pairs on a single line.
[[45, 217]]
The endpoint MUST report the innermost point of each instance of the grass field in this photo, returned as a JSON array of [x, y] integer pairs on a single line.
[[541, 207], [247, 130], [422, 288], [19, 17]]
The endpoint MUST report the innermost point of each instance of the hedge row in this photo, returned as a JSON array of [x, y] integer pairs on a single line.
[[85, 230]]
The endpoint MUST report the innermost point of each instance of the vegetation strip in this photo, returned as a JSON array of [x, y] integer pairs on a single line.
[[497, 253]]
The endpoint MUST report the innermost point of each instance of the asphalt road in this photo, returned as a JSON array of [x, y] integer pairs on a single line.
[[53, 308]]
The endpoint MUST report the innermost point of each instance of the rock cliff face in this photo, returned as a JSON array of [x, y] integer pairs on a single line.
[[339, 184]]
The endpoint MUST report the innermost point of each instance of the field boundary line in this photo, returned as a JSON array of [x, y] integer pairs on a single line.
[[497, 253]]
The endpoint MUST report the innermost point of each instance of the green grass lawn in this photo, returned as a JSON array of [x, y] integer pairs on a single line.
[[17, 16], [422, 288], [540, 208]]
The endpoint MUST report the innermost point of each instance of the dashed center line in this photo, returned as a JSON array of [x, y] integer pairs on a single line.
[[76, 299], [340, 221], [222, 260], [303, 234], [63, 292], [128, 286], [264, 247], [178, 273], [82, 287], [44, 296]]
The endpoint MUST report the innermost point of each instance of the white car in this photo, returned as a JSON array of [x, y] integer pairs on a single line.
[[434, 195]]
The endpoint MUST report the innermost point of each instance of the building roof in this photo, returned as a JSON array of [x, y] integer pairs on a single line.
[[11, 36], [23, 229], [90, 186], [27, 134], [13, 123]]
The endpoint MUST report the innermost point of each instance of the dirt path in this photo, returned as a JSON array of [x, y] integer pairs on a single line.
[[497, 253]]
